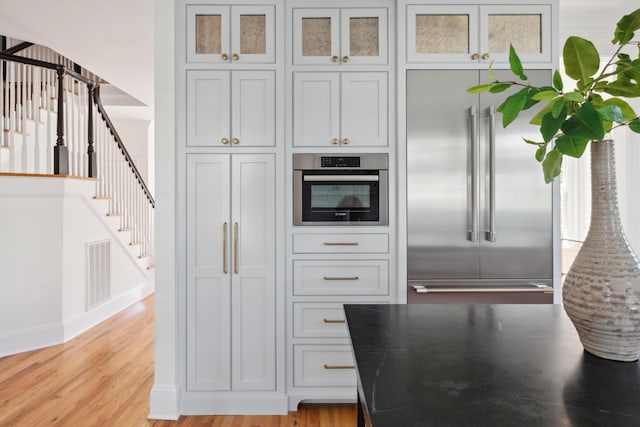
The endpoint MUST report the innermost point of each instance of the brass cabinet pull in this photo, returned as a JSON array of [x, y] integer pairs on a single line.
[[235, 57], [341, 278], [224, 141], [224, 248], [334, 141], [475, 56], [345, 141], [235, 140], [345, 59], [235, 248], [334, 58], [339, 366], [224, 56], [485, 56], [341, 243], [333, 321]]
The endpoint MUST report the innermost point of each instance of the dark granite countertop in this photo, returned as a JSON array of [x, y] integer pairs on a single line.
[[484, 365]]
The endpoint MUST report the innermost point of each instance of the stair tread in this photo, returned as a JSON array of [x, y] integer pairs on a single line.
[[115, 214], [102, 197], [151, 266], [134, 243], [125, 229]]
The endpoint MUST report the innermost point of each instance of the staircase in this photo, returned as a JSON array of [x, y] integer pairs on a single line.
[[55, 124]]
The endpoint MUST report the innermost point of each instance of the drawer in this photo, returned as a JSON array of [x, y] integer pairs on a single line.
[[353, 277], [340, 243], [323, 366], [319, 320]]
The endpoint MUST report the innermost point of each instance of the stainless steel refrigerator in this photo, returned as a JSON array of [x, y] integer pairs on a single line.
[[479, 213]]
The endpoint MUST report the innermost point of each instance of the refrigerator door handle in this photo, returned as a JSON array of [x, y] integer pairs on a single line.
[[491, 234], [472, 176]]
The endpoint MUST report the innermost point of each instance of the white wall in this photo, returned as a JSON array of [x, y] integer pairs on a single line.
[[135, 135], [46, 224]]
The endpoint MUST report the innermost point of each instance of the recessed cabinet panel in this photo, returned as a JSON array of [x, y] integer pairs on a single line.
[[316, 36], [364, 109], [363, 36], [253, 106], [316, 115], [323, 366], [319, 320], [230, 34], [208, 99], [353, 277]]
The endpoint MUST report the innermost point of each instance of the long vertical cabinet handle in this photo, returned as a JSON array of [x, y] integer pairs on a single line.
[[491, 234], [472, 233], [224, 248], [235, 248]]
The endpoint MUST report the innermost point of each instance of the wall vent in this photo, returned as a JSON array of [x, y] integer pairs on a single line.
[[98, 273]]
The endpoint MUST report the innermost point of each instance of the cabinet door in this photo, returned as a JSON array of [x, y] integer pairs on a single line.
[[364, 109], [208, 101], [253, 270], [437, 33], [526, 27], [363, 36], [208, 273], [316, 37], [316, 115], [208, 33], [253, 108], [252, 34]]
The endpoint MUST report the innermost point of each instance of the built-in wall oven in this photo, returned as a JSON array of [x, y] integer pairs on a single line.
[[331, 189]]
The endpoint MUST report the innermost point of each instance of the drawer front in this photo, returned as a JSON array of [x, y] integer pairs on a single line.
[[323, 366], [340, 243], [354, 277], [319, 320]]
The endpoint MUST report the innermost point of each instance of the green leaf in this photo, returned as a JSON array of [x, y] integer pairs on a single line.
[[634, 125], [621, 88], [625, 109], [500, 87], [573, 96], [551, 125], [492, 76], [626, 27], [557, 81], [515, 63], [552, 165], [545, 95], [537, 119], [558, 106], [512, 106], [570, 146], [611, 113], [528, 141], [581, 59], [586, 123], [480, 88], [540, 152]]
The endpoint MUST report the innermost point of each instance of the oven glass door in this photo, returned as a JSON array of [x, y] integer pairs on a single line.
[[337, 196]]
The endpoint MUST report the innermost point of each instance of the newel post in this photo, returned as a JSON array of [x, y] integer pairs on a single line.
[[60, 151], [91, 152]]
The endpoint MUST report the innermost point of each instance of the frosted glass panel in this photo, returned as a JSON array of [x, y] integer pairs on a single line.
[[208, 34], [363, 37], [442, 33], [524, 32], [253, 34], [316, 36]]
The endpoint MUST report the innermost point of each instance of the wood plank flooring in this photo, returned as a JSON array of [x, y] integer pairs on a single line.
[[103, 378]]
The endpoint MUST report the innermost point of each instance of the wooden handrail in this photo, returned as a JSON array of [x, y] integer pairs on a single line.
[[17, 48]]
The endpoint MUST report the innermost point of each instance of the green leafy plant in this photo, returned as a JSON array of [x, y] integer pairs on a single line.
[[570, 120]]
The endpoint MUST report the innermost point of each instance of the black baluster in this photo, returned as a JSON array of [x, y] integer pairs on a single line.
[[91, 153], [60, 151]]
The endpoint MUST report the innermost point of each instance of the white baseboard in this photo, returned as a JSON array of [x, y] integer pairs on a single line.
[[22, 340], [164, 403], [79, 324], [235, 403]]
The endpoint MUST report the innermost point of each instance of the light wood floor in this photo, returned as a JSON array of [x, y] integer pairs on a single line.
[[103, 378]]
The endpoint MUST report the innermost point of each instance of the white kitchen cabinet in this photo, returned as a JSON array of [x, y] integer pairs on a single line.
[[231, 335], [340, 36], [230, 108], [477, 34], [225, 34], [340, 109], [323, 366], [341, 277]]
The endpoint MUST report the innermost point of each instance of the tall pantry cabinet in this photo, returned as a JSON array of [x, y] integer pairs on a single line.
[[229, 183]]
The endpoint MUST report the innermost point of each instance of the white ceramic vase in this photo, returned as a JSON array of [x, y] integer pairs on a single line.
[[601, 293]]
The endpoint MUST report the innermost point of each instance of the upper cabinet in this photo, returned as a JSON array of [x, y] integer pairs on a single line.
[[230, 34], [478, 34], [340, 36]]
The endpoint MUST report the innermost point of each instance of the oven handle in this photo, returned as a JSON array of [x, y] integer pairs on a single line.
[[333, 178]]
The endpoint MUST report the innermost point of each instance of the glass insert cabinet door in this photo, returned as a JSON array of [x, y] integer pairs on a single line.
[[230, 34], [480, 34], [340, 36]]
